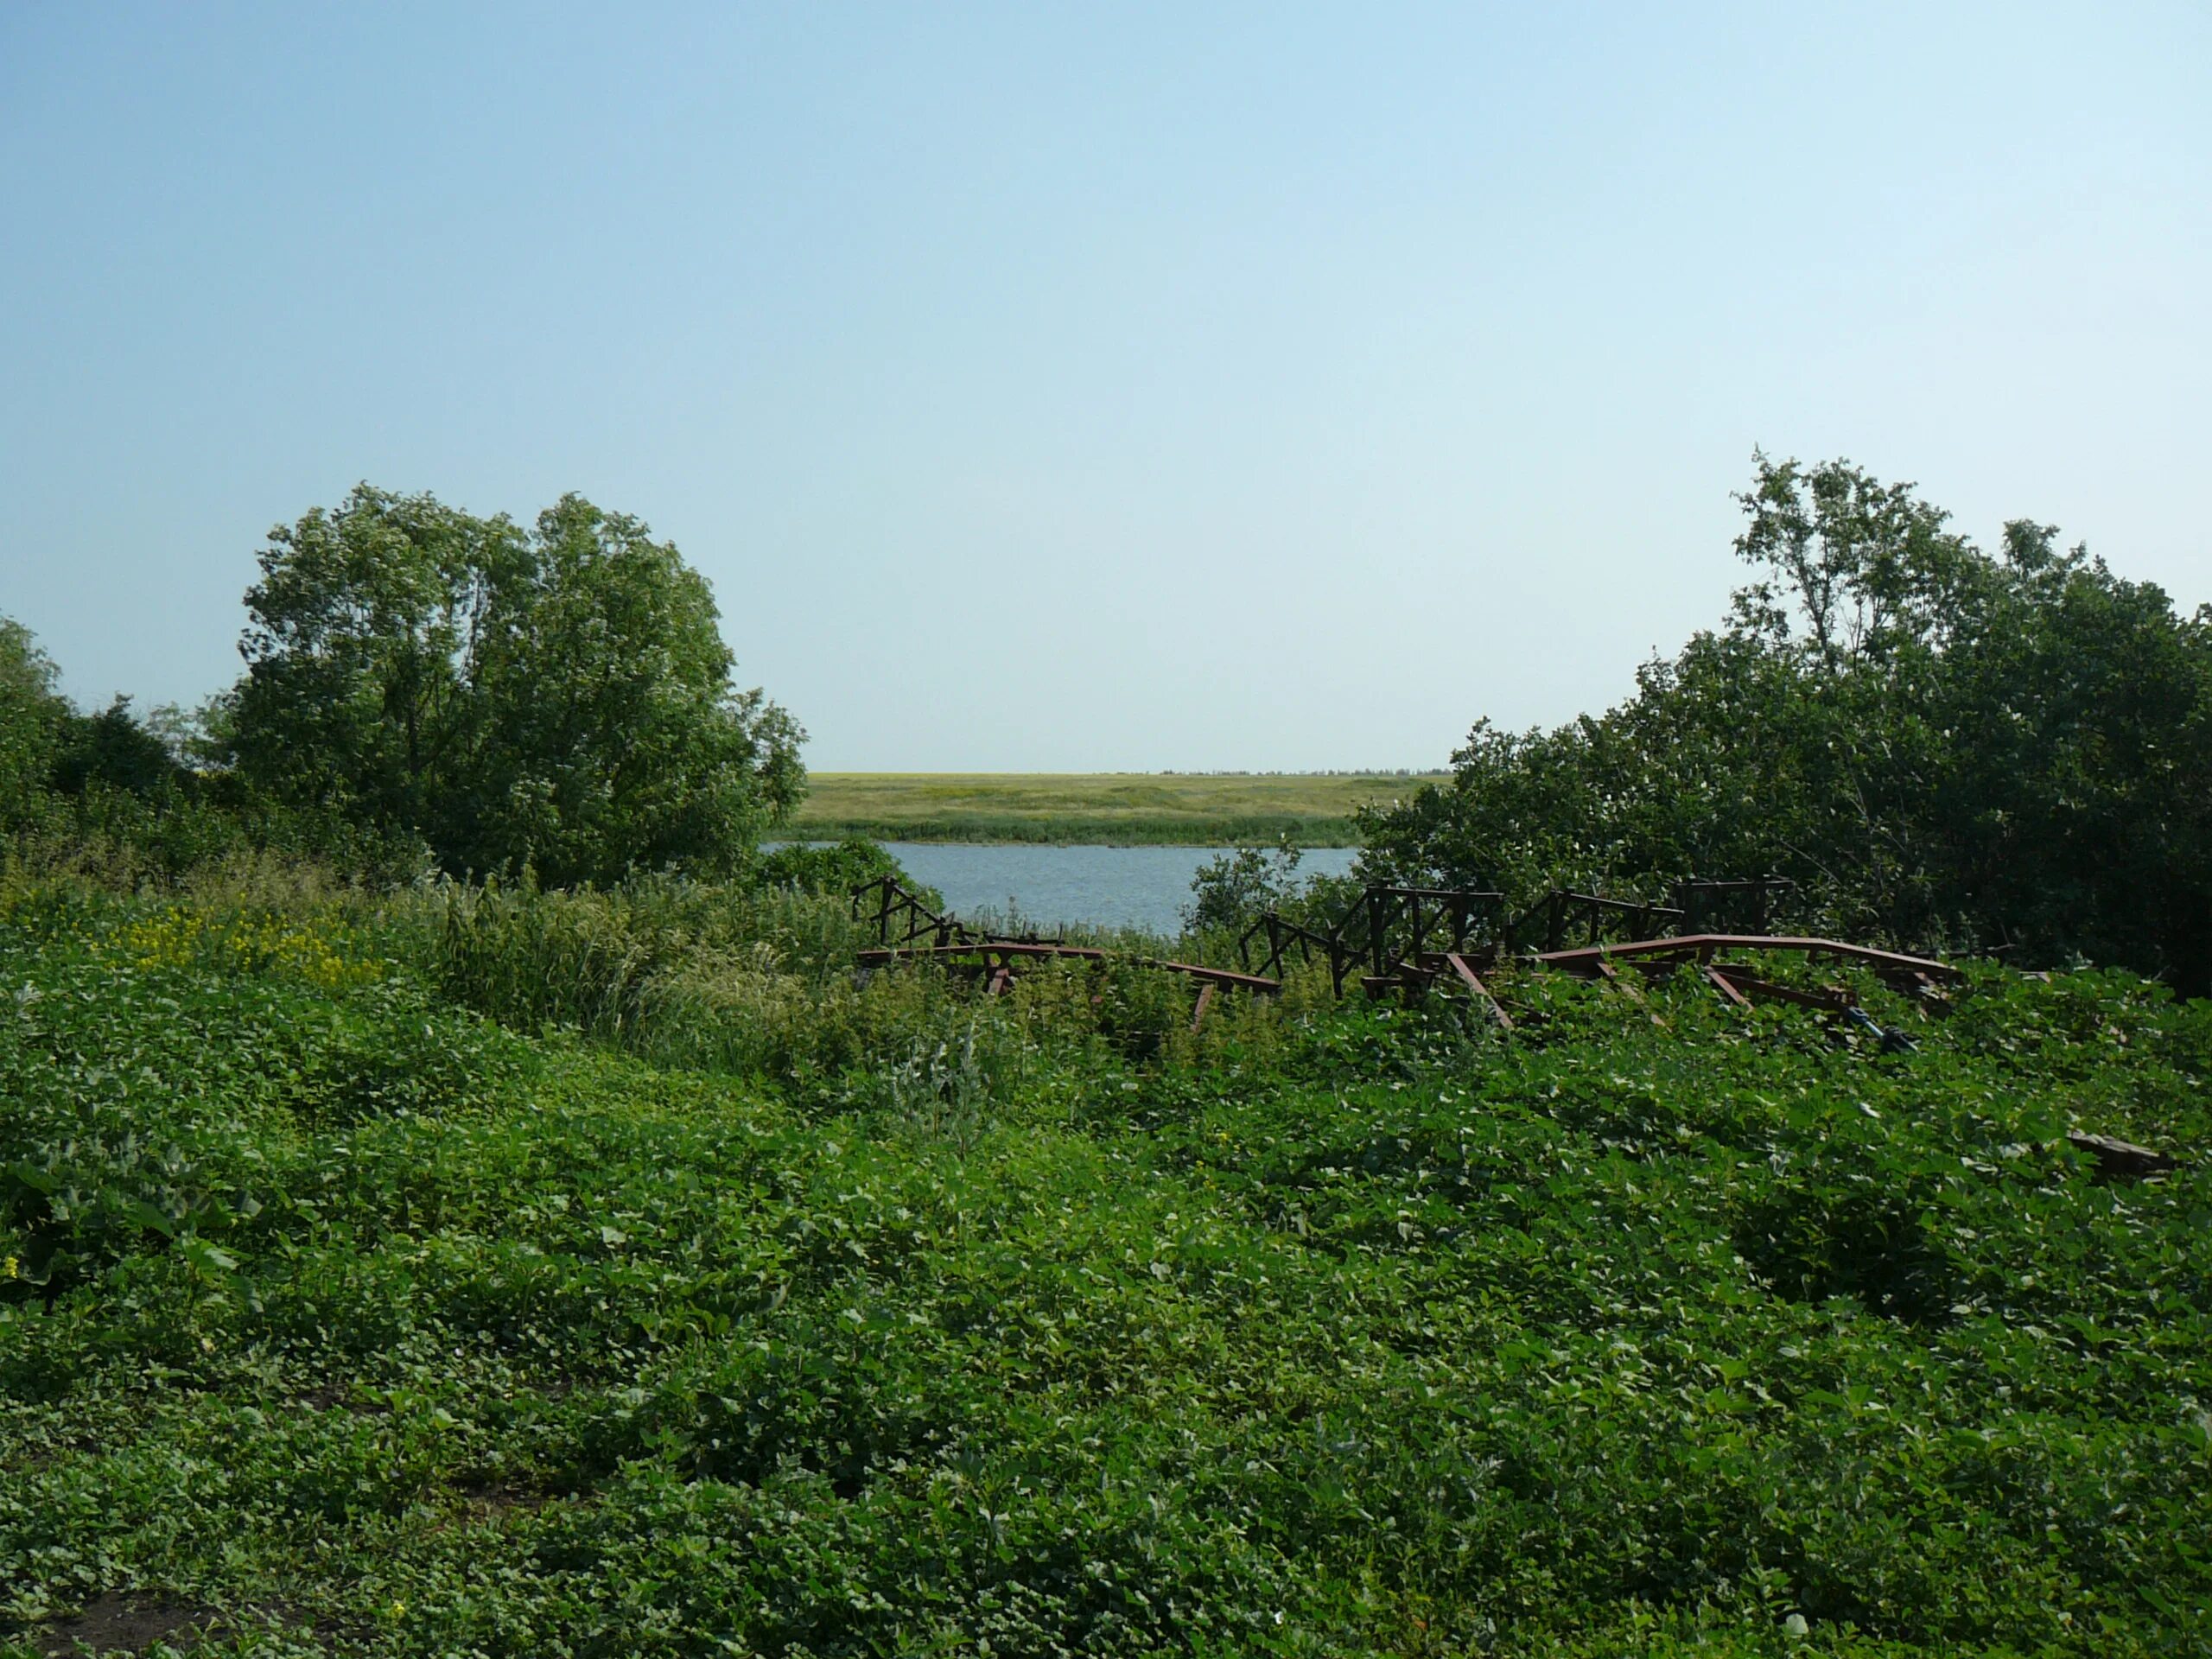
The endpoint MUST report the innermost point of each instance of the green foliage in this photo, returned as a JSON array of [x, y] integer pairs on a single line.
[[114, 750], [345, 1321], [31, 714], [1940, 745], [557, 699], [1228, 892], [832, 871]]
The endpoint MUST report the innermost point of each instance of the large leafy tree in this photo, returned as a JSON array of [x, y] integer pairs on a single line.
[[1942, 745], [362, 631], [558, 698]]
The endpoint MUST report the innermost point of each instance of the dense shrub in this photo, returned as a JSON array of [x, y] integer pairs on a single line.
[[1940, 745]]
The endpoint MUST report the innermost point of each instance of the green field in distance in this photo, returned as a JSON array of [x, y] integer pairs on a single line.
[[1127, 808]]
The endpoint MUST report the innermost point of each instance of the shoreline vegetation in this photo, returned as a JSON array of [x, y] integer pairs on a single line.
[[1096, 809]]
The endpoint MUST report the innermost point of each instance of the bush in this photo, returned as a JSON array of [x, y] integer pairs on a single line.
[[1943, 747]]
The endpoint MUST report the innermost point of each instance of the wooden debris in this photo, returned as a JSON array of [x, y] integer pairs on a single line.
[[1832, 998], [1721, 983], [1462, 967], [2122, 1159], [1608, 975]]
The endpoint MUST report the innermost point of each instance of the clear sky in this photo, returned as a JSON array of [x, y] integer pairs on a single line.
[[1090, 387]]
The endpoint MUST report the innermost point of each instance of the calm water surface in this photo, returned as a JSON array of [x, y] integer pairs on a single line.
[[1111, 887]]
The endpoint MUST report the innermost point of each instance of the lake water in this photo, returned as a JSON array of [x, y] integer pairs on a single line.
[[1110, 886]]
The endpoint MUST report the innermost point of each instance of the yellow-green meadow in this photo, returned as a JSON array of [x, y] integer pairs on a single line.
[[1315, 810]]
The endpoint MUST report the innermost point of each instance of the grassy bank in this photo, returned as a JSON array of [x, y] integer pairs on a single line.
[[1118, 808], [612, 1274]]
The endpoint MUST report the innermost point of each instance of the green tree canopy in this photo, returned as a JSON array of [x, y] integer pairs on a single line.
[[558, 697], [32, 715], [1942, 746]]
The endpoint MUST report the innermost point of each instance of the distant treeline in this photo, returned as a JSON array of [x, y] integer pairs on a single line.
[[2007, 752], [1077, 830], [1121, 809]]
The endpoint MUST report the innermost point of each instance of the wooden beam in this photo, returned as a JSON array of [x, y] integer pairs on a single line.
[[997, 952], [1473, 982], [995, 947], [1720, 982], [1212, 975], [1760, 990], [2123, 1158], [1583, 961], [1608, 975]]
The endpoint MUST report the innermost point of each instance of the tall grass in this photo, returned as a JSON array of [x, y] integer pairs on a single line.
[[767, 985]]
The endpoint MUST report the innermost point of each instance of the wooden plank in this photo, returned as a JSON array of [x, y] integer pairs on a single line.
[[1608, 975], [1214, 975], [1473, 981], [1205, 1001], [1442, 893], [2123, 1158], [1720, 982], [994, 947], [1761, 990], [999, 951], [1583, 961]]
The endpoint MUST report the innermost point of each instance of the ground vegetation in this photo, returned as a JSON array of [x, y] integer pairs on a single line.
[[516, 1272]]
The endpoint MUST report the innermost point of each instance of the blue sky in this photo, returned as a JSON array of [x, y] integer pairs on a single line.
[[1074, 387]]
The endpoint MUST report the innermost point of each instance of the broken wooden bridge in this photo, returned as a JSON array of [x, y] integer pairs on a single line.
[[1409, 941]]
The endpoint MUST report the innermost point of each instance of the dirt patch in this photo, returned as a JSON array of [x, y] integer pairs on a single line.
[[332, 1397], [132, 1623], [495, 1498]]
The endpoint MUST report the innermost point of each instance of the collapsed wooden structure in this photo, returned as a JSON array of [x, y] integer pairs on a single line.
[[1409, 941], [908, 930]]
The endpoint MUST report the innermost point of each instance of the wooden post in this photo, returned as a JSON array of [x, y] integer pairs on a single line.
[[1205, 1001]]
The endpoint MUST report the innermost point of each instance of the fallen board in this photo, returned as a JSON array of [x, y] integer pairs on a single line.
[[1704, 946], [998, 953]]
